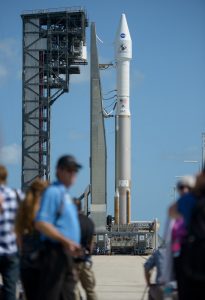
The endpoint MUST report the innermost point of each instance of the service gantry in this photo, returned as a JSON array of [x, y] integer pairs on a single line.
[[54, 45]]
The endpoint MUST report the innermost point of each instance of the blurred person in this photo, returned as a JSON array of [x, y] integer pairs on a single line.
[[84, 262], [173, 236], [155, 261], [57, 221], [9, 259], [191, 207], [184, 186], [185, 203], [29, 238]]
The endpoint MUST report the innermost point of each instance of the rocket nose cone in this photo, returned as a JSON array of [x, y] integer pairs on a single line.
[[123, 42], [123, 30]]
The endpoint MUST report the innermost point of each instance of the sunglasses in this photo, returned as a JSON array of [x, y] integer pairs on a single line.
[[71, 170], [182, 187]]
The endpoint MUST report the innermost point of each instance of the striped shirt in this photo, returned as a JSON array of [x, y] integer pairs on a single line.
[[8, 210]]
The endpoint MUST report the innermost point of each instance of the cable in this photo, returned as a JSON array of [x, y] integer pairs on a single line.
[[105, 99], [114, 102], [111, 92], [108, 115], [99, 38]]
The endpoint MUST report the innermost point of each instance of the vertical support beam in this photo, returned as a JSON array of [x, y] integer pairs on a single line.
[[30, 113], [98, 159], [116, 208], [128, 207]]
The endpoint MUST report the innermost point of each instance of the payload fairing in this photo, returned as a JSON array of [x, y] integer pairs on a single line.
[[123, 55]]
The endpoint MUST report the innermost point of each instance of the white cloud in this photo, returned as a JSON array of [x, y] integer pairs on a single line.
[[9, 48], [9, 57], [10, 154]]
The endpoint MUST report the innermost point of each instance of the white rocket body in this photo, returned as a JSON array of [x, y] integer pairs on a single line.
[[123, 55]]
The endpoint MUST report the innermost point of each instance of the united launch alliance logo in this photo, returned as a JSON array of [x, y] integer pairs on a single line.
[[122, 35], [123, 47]]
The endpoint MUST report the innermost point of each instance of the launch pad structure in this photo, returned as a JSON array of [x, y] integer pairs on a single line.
[[54, 45]]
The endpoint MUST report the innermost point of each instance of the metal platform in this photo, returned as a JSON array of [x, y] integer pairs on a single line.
[[137, 238]]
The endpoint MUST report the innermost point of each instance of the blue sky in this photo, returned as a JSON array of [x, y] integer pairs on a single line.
[[167, 95]]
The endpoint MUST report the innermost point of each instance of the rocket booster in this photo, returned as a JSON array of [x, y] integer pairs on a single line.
[[123, 55]]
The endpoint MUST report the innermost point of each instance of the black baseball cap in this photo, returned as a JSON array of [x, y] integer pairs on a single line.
[[68, 162]]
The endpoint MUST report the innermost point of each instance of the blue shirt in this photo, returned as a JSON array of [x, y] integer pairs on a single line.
[[185, 205], [57, 208]]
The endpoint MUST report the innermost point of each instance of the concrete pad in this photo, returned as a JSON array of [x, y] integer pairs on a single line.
[[119, 277]]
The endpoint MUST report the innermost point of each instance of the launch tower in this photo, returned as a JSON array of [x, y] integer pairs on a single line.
[[54, 45]]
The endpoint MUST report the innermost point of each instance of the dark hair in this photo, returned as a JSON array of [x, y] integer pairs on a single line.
[[68, 162], [28, 207], [3, 174]]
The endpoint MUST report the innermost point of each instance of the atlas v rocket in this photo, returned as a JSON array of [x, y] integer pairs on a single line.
[[123, 55]]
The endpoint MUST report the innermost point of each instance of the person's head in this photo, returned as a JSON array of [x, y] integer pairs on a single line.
[[185, 184], [3, 174], [30, 205], [66, 170], [36, 189]]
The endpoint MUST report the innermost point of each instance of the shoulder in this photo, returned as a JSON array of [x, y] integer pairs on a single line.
[[50, 198], [8, 192], [54, 191], [187, 199]]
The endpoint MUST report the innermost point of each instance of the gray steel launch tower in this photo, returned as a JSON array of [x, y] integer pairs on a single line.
[[53, 46]]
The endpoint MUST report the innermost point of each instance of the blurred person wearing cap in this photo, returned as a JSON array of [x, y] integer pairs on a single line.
[[181, 212], [57, 220], [183, 206], [83, 262], [184, 186], [186, 207], [9, 258]]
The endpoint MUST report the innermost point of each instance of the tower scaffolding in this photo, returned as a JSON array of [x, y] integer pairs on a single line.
[[54, 45]]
